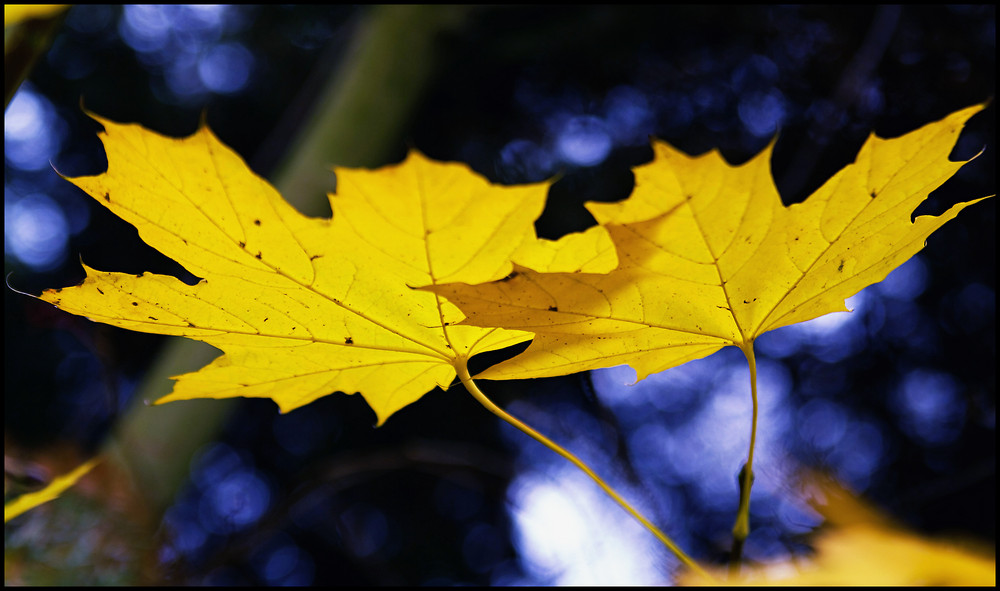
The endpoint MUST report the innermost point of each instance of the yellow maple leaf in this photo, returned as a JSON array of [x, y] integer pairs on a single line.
[[711, 257], [58, 486], [303, 307]]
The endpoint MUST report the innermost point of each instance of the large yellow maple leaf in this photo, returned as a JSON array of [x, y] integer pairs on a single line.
[[710, 257], [303, 307]]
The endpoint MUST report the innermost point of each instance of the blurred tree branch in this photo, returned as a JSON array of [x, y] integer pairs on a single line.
[[27, 35]]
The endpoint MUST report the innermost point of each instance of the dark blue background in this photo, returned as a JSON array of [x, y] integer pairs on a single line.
[[898, 401]]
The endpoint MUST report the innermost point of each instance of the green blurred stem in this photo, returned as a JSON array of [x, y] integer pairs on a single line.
[[359, 116], [461, 368], [741, 529]]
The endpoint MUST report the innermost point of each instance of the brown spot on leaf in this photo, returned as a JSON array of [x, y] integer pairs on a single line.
[[348, 341], [553, 308], [256, 222]]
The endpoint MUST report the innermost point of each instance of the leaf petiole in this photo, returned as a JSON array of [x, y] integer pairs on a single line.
[[741, 529], [462, 370]]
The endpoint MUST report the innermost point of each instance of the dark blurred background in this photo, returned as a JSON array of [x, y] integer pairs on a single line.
[[897, 399]]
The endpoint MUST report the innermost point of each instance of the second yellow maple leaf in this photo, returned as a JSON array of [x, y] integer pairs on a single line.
[[710, 257]]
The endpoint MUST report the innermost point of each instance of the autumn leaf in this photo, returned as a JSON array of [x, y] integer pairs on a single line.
[[711, 257], [865, 555], [303, 307], [58, 486]]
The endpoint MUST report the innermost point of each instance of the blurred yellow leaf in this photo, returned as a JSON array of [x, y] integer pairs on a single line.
[[16, 13], [55, 488], [871, 556], [860, 545]]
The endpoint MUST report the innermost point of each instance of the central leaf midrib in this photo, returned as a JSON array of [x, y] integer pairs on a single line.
[[421, 196]]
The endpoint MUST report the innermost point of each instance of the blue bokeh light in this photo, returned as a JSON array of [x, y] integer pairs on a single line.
[[583, 140], [280, 561], [629, 116], [234, 495], [35, 231], [762, 112], [235, 502], [226, 68], [821, 423], [906, 282], [930, 406], [32, 131], [187, 45]]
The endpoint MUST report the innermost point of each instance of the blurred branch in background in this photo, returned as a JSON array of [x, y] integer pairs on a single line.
[[28, 31], [853, 81]]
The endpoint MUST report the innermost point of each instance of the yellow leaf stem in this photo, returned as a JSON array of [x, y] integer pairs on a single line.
[[741, 529], [461, 368]]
